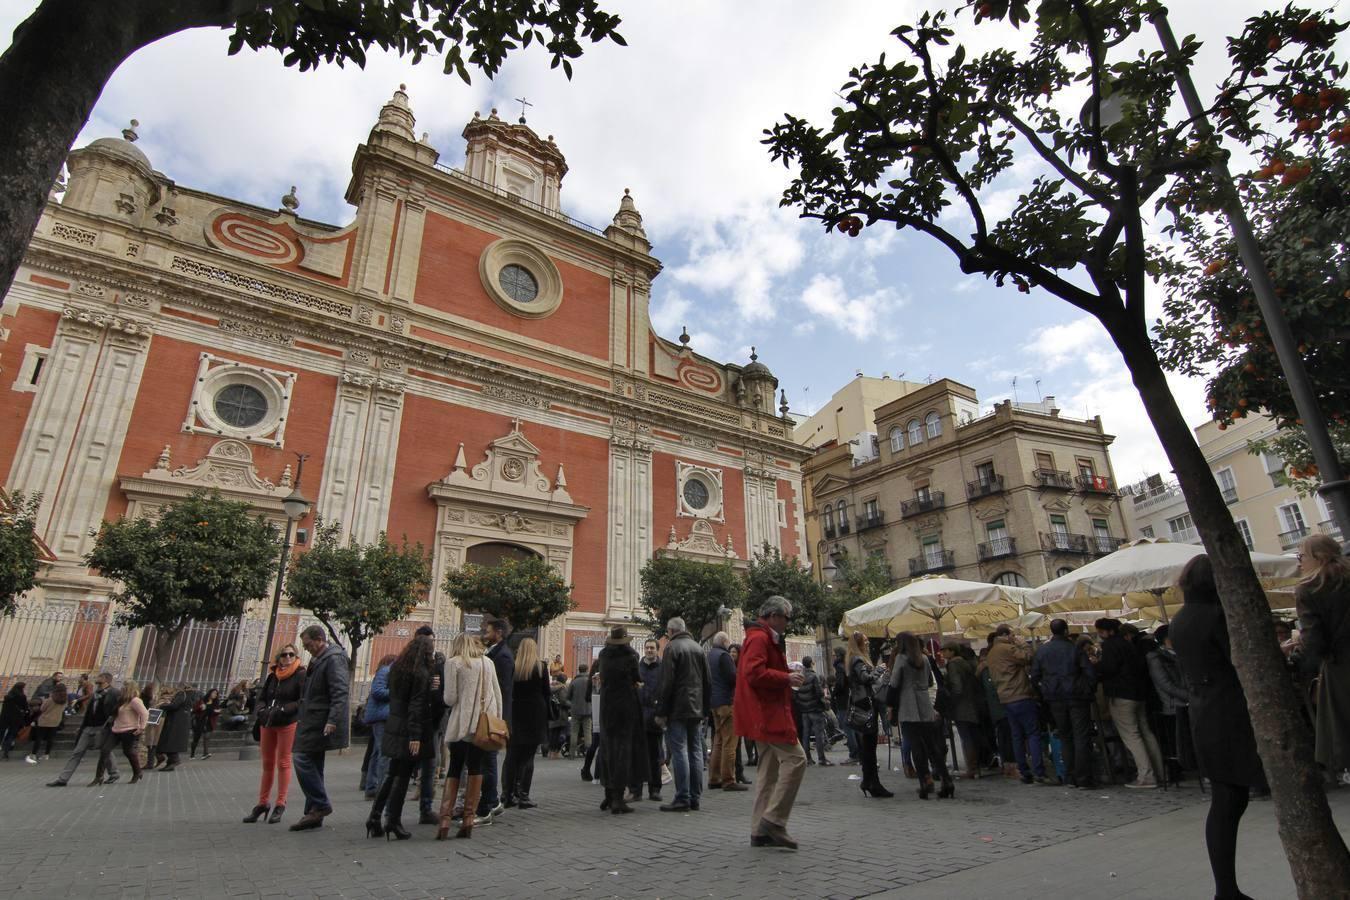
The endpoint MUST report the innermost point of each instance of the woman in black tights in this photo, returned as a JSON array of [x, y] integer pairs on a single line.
[[1225, 747], [409, 734]]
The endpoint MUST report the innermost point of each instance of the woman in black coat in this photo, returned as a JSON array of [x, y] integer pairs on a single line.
[[175, 732], [409, 733], [530, 694], [1221, 729], [621, 727], [13, 716]]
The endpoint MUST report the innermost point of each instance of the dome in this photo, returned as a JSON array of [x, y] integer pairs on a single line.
[[123, 147], [756, 369]]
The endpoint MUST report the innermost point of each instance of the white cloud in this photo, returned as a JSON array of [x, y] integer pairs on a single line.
[[669, 313], [864, 316], [742, 257]]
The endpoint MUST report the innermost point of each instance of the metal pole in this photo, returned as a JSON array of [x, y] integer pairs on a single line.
[[1334, 488], [276, 597]]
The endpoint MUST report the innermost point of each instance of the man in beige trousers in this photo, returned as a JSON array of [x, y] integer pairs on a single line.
[[762, 712]]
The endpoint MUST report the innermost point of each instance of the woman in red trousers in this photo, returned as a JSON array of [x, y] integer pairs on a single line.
[[278, 709]]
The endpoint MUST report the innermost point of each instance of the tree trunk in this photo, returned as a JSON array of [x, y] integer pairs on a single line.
[[50, 78], [165, 641], [1317, 854]]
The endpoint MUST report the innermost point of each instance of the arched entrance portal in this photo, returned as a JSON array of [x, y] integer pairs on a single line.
[[492, 553]]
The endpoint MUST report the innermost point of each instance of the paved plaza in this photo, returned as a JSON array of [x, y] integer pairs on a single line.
[[179, 835]]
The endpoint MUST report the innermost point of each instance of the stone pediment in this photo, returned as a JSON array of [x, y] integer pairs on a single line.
[[991, 510], [509, 477], [919, 474], [1058, 504], [829, 484], [1098, 509], [227, 467], [701, 545]]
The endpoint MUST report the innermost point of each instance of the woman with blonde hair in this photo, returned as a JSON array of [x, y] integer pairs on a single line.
[[1323, 600], [863, 708], [278, 711], [529, 724], [128, 723], [470, 690]]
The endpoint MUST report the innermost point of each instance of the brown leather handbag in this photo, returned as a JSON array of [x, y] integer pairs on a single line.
[[492, 732]]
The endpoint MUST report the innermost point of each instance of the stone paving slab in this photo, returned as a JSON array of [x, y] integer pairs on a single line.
[[179, 835]]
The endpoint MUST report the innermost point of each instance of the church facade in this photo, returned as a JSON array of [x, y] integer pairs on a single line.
[[462, 365]]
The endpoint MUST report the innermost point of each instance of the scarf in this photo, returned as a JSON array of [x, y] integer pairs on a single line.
[[284, 672]]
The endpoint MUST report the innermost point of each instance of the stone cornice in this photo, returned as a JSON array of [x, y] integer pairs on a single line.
[[225, 302]]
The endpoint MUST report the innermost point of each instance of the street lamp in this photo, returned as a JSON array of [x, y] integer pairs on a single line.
[[828, 570], [296, 508]]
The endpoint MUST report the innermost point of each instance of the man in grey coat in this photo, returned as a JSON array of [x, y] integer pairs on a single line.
[[101, 707], [325, 722], [683, 699]]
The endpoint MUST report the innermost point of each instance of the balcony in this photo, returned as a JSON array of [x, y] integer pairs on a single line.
[[984, 487], [935, 561], [843, 528], [1094, 484], [1289, 539], [875, 520], [1229, 495], [920, 505], [1184, 536], [1053, 480], [829, 531], [998, 548], [1102, 544], [1331, 529], [1064, 542]]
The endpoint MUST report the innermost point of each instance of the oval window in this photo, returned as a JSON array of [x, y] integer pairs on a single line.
[[518, 283], [240, 405]]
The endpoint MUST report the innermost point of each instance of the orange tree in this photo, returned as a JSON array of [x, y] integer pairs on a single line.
[[357, 590], [1298, 193], [19, 554], [922, 139], [528, 593], [63, 54]]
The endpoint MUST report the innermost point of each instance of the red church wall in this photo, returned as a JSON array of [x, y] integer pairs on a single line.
[[162, 403], [28, 326], [664, 505], [447, 280], [422, 460]]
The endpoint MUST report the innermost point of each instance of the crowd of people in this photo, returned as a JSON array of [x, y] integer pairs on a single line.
[[1133, 707]]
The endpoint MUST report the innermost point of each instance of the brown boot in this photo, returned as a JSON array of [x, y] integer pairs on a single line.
[[447, 807], [472, 794]]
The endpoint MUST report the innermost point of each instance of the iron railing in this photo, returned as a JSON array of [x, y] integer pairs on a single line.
[[983, 487], [1050, 478], [1094, 484], [1289, 539], [935, 500], [998, 548], [1064, 542], [875, 520], [934, 561]]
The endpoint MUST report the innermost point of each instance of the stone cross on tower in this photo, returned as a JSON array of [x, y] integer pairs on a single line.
[[523, 103]]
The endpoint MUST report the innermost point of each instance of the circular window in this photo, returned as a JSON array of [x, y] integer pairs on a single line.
[[518, 283], [695, 494], [520, 278], [240, 405]]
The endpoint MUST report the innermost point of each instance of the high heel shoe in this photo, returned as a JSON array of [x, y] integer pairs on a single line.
[[373, 828], [394, 831], [259, 812], [876, 790], [925, 786], [947, 791]]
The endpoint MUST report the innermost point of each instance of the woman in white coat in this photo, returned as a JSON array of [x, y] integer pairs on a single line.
[[470, 690]]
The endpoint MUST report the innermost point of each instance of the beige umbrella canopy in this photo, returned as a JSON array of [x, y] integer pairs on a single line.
[[935, 603], [1143, 574], [1035, 624]]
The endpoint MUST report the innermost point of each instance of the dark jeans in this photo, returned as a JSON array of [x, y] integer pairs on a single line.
[[925, 742], [814, 725], [464, 755], [308, 768], [43, 733], [490, 796], [654, 761], [7, 738], [867, 755], [1073, 721], [684, 740], [851, 737], [1025, 720], [426, 785], [518, 771]]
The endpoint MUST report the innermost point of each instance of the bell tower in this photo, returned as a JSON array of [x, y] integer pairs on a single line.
[[514, 160]]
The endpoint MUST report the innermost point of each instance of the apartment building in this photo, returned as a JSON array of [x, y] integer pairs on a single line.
[[1016, 495]]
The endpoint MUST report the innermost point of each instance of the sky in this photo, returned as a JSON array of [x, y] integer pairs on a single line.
[[677, 116]]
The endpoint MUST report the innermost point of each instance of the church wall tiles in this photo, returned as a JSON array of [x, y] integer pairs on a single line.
[[21, 327], [430, 434], [166, 391], [448, 281]]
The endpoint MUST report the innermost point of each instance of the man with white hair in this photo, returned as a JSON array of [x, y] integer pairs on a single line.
[[722, 759], [763, 714], [683, 698]]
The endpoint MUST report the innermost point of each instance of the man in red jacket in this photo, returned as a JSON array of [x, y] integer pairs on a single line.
[[763, 714]]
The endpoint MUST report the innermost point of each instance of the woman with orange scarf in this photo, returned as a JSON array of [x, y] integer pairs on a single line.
[[278, 710]]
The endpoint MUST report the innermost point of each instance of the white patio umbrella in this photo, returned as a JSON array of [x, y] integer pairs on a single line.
[[935, 603], [1143, 574]]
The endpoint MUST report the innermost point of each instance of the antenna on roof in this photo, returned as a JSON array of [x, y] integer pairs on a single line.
[[1014, 385], [1039, 398]]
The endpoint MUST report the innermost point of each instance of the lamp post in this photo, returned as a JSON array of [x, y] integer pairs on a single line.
[[296, 507], [828, 570]]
